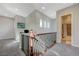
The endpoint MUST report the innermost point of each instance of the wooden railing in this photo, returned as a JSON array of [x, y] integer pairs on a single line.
[[38, 46], [40, 43]]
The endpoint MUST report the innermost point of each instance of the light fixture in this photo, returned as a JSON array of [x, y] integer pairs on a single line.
[[16, 9], [43, 8]]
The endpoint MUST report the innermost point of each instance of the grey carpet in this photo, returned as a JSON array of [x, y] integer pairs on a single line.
[[9, 47], [62, 50]]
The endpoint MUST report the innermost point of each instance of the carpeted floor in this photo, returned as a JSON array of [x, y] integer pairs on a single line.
[[62, 50], [9, 47]]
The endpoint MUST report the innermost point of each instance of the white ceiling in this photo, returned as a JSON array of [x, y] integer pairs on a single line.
[[24, 9]]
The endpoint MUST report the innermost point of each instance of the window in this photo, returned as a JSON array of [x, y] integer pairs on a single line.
[[41, 23], [44, 24]]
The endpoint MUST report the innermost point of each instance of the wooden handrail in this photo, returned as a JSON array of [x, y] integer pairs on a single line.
[[35, 52], [46, 33]]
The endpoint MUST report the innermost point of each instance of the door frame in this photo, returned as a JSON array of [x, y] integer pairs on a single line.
[[71, 26]]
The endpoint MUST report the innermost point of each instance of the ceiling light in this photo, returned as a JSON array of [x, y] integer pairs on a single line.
[[16, 9], [42, 7]]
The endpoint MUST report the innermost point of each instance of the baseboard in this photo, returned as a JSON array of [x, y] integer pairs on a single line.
[[75, 45], [7, 38]]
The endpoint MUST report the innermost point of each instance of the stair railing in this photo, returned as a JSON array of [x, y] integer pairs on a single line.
[[40, 43], [38, 46]]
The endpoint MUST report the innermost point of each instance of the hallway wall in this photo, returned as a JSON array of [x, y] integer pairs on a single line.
[[18, 30], [40, 23], [74, 10], [6, 27]]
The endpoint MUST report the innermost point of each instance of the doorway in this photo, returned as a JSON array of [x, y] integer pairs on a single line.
[[66, 29]]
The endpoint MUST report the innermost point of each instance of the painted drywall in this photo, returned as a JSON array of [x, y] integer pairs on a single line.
[[74, 11], [18, 30], [33, 22], [41, 23], [6, 27], [30, 21]]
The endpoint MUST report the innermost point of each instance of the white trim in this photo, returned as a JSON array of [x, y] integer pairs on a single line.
[[59, 24], [75, 45]]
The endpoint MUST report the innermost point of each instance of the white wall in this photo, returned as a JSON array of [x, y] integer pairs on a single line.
[[6, 27], [50, 25], [30, 21], [33, 22], [74, 10], [18, 30]]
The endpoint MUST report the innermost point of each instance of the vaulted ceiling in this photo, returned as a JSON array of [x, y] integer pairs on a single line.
[[24, 9]]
